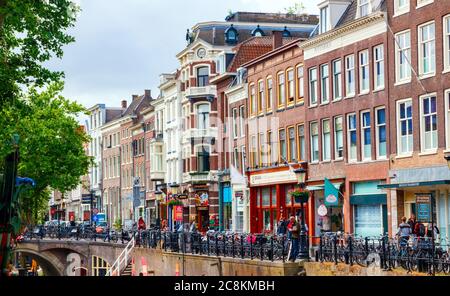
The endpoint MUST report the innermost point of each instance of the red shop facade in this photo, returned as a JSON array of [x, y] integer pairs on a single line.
[[270, 199]]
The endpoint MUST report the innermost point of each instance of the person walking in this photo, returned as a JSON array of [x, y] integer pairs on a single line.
[[404, 232], [141, 224], [294, 231], [282, 226], [412, 223]]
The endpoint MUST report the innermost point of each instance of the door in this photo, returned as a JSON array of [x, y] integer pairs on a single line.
[[203, 220]]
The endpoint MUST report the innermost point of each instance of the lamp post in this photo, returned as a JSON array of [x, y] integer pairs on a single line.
[[304, 253], [158, 194]]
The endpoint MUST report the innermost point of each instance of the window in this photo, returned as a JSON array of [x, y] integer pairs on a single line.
[[158, 158], [324, 19], [401, 6], [352, 143], [203, 116], [242, 121], [281, 90], [202, 76], [325, 84], [290, 86], [350, 76], [326, 140], [338, 138], [366, 136], [404, 127], [363, 7], [403, 57], [260, 96], [446, 43], [252, 100], [313, 86], [300, 85], [273, 147], [283, 154], [203, 159], [364, 80], [262, 150], [421, 3], [269, 148], [337, 80], [314, 131], [447, 117], [378, 53], [381, 135], [292, 144], [99, 266], [428, 123], [253, 154], [269, 97], [301, 142], [243, 159], [235, 124], [427, 49]]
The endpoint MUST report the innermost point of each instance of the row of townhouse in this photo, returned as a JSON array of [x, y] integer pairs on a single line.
[[358, 95]]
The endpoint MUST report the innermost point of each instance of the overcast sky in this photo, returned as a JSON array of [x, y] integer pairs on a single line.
[[122, 46]]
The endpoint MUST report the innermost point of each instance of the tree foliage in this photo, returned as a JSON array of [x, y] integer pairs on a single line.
[[32, 32], [52, 144], [297, 8]]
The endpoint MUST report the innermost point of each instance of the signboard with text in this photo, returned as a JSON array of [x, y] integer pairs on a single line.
[[423, 208], [179, 213]]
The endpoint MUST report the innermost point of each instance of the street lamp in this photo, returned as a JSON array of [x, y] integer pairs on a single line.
[[301, 177], [158, 195], [447, 157]]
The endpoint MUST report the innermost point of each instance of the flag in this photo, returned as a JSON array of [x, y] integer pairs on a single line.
[[331, 194]]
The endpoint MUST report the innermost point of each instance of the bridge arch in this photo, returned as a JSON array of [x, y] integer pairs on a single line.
[[49, 263]]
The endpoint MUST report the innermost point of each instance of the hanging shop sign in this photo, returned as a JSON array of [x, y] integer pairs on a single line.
[[322, 210], [182, 196], [179, 213], [423, 208], [202, 198], [273, 178]]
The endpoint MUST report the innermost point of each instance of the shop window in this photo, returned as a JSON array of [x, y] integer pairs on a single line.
[[266, 197], [274, 196]]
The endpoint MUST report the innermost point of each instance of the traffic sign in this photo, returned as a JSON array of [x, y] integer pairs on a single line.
[[95, 218], [95, 211]]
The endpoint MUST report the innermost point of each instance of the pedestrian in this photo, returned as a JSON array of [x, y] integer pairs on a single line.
[[141, 224], [282, 226], [193, 226], [404, 232], [295, 235], [412, 223]]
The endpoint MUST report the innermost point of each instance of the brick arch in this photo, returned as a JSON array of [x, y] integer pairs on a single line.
[[50, 263]]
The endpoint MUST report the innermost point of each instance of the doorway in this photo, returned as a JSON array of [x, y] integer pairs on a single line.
[[203, 220]]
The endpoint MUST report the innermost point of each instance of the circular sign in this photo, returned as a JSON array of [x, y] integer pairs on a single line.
[[331, 199], [95, 211], [322, 211]]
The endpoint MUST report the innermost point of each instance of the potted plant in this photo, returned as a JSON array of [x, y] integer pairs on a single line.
[[175, 202], [299, 195]]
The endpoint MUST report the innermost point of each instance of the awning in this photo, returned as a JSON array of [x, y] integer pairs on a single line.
[[322, 187], [414, 184], [368, 199]]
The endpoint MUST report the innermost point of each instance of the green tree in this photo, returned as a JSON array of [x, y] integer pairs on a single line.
[[297, 8], [52, 145], [32, 32]]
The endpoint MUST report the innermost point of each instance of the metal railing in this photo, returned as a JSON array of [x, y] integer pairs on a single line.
[[123, 260], [415, 254]]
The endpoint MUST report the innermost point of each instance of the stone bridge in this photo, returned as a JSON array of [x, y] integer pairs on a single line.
[[70, 257]]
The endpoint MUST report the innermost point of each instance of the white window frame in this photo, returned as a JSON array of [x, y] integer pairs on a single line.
[[324, 25], [422, 3], [365, 157], [242, 121], [364, 67], [420, 44], [399, 10], [399, 128], [379, 83], [398, 51], [336, 151], [235, 124], [243, 159], [324, 84], [350, 69], [447, 118], [378, 126], [313, 160], [313, 90], [323, 140], [367, 3], [422, 124], [337, 80], [446, 40], [349, 138]]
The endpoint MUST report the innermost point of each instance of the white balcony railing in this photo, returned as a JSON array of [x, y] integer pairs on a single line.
[[200, 133], [209, 90], [199, 177]]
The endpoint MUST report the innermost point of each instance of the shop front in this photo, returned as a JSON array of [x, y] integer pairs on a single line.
[[203, 218], [409, 184], [270, 199], [240, 211]]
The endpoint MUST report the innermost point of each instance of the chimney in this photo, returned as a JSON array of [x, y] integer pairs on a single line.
[[148, 93], [124, 104], [277, 39], [134, 97]]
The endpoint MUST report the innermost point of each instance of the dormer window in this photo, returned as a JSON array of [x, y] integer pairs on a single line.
[[286, 33], [231, 35], [324, 19], [363, 7], [257, 32]]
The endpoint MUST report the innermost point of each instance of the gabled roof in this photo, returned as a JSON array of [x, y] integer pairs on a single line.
[[113, 114], [252, 49], [137, 105]]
